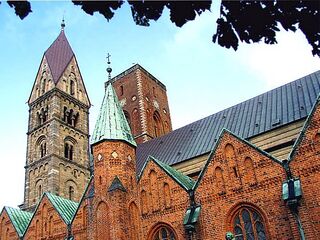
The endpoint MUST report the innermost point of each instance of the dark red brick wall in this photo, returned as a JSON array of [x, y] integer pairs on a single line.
[[7, 230], [239, 176], [46, 223], [142, 96], [305, 164], [162, 207]]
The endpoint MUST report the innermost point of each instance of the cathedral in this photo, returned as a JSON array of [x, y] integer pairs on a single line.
[[248, 172]]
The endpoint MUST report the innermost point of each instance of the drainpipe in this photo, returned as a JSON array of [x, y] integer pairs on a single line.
[[69, 231], [291, 194]]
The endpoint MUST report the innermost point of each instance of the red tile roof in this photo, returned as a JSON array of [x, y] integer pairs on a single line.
[[59, 55]]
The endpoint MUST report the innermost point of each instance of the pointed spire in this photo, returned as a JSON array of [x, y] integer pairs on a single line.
[[59, 55], [111, 123]]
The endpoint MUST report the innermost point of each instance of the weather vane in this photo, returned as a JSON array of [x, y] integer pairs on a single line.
[[109, 69]]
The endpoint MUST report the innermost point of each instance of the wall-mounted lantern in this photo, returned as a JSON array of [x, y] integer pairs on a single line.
[[291, 192]]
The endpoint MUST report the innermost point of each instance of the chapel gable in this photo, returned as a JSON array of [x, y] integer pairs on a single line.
[[162, 189], [52, 218], [13, 223], [240, 183]]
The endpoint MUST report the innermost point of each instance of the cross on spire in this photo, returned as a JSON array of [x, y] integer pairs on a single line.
[[62, 23], [109, 69]]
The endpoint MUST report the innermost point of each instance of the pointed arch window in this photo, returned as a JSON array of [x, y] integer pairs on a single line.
[[248, 225], [157, 124], [163, 232]]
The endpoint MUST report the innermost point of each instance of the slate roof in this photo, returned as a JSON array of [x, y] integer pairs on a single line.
[[278, 107], [58, 56], [66, 208], [111, 123], [20, 219]]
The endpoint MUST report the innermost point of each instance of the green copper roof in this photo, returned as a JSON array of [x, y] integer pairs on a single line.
[[186, 182], [111, 123], [20, 219], [64, 207]]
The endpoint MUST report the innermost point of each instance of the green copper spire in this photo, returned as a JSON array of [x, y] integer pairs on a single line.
[[112, 123]]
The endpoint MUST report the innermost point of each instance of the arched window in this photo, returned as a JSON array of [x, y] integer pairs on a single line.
[[68, 151], [50, 225], [163, 232], [43, 149], [44, 81], [157, 124], [39, 191], [154, 190], [134, 221], [71, 87], [102, 217], [144, 202], [71, 193], [248, 225], [167, 195], [72, 84]]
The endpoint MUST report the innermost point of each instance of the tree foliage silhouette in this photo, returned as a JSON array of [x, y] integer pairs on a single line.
[[239, 21]]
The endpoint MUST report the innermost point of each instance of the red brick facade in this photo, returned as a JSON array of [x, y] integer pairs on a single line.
[[145, 103], [240, 184]]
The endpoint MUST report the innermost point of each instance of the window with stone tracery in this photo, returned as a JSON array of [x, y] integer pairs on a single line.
[[164, 233], [70, 117], [248, 225]]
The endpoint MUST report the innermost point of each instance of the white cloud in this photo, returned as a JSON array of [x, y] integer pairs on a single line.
[[280, 63]]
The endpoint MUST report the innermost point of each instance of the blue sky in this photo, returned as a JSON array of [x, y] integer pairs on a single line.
[[201, 77]]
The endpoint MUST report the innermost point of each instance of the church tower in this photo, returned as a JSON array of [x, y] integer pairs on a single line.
[[57, 158], [113, 149], [145, 103]]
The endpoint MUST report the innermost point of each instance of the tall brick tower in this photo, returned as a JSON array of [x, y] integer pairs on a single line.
[[113, 149], [58, 130], [144, 102]]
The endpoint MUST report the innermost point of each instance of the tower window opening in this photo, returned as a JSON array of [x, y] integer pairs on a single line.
[[43, 89], [157, 124], [72, 87], [121, 90], [43, 149], [65, 114], [71, 193], [39, 191], [68, 151]]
